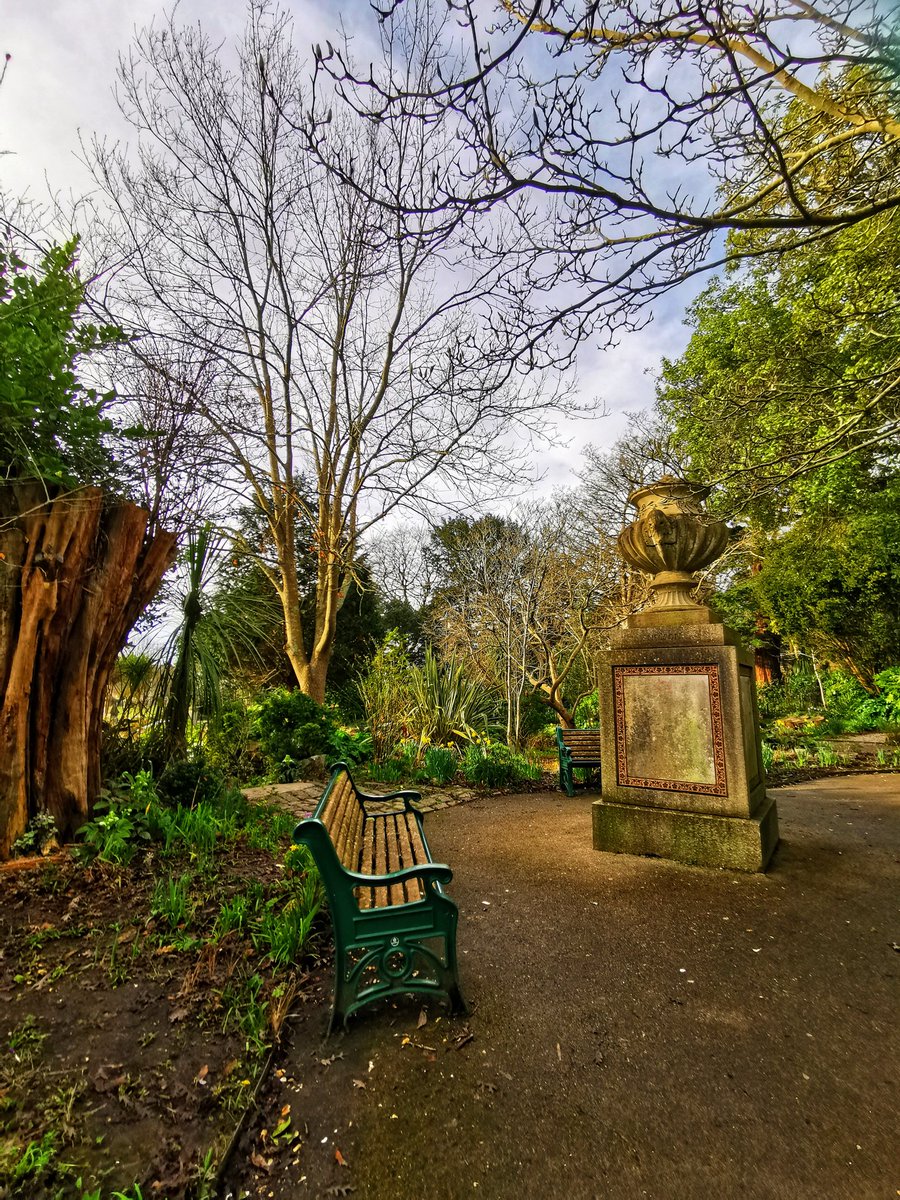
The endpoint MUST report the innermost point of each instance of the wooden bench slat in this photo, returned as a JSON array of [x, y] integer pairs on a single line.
[[408, 857], [366, 865], [397, 891]]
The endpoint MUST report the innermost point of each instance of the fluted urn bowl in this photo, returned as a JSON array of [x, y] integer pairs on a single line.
[[672, 539]]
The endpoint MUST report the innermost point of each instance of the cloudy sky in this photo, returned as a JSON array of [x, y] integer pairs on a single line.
[[59, 85]]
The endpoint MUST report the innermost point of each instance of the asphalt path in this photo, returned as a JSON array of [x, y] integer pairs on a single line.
[[639, 1028]]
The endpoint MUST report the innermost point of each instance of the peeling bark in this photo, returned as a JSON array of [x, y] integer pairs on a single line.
[[75, 573]]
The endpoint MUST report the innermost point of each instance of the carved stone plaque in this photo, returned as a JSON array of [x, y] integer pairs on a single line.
[[669, 728]]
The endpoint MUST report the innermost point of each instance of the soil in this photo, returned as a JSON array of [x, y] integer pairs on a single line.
[[638, 1028], [111, 1037]]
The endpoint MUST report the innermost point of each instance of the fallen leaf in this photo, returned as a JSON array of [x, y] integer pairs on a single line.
[[261, 1164], [423, 1019], [339, 1158], [177, 1014], [359, 1083], [202, 1073]]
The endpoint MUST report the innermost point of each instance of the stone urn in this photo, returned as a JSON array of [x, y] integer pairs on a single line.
[[672, 539]]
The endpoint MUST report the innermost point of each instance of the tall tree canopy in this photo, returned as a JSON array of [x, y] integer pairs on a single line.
[[52, 426], [622, 140], [342, 343]]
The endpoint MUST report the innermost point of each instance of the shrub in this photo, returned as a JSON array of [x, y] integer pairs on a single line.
[[587, 711], [495, 765], [190, 782], [292, 726], [351, 747], [446, 705], [231, 742], [851, 709], [384, 691]]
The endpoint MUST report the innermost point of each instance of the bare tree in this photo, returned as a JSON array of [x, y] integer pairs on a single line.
[[623, 141], [528, 600], [344, 340]]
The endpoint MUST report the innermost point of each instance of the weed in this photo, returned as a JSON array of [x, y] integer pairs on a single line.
[[827, 756], [37, 940], [232, 915], [41, 833], [204, 1183], [37, 1160], [768, 756], [171, 901], [247, 1011], [282, 935], [25, 1041], [801, 755], [116, 969]]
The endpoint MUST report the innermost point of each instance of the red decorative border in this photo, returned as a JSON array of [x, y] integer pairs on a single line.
[[711, 671]]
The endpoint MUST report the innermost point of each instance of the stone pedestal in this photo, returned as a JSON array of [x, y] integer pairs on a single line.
[[682, 768]]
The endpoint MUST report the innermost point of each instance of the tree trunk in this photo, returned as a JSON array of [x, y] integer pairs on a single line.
[[75, 574]]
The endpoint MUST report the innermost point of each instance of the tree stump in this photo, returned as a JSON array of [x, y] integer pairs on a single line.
[[76, 571]]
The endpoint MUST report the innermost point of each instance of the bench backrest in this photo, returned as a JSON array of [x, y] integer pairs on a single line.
[[581, 743], [342, 814]]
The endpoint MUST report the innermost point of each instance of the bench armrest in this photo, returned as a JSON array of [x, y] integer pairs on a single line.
[[408, 797], [427, 872]]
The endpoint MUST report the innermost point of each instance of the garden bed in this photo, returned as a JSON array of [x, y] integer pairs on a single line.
[[137, 1003]]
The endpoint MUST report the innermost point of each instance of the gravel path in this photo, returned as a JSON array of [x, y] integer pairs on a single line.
[[640, 1029]]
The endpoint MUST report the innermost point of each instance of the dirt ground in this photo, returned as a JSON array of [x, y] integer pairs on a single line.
[[639, 1028]]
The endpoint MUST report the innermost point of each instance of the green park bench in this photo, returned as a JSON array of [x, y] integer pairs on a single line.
[[394, 927], [578, 749]]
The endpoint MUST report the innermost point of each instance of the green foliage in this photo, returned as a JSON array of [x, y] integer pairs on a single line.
[[283, 929], [120, 825], [51, 426], [495, 765], [797, 692], [851, 709], [385, 692], [170, 901], [230, 741], [292, 726], [351, 747], [190, 782], [440, 764], [41, 831], [832, 583], [790, 377], [446, 706], [587, 711]]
